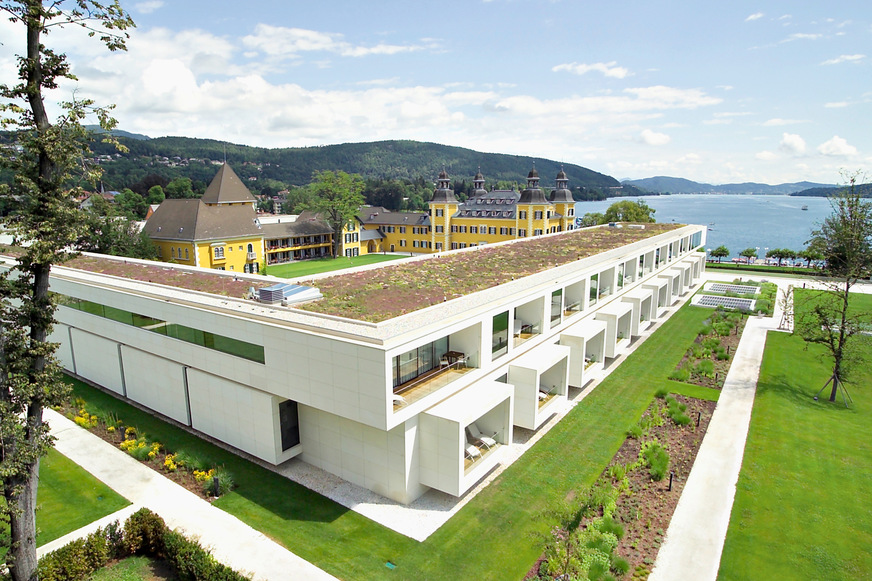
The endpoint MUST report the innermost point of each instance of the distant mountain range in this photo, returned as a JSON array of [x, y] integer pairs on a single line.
[[670, 185]]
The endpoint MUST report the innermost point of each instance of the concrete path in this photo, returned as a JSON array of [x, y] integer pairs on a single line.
[[231, 541], [695, 538]]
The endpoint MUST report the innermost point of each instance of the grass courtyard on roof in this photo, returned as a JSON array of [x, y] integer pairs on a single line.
[[384, 293]]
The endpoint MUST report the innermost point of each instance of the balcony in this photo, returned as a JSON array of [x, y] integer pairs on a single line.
[[412, 391], [251, 256]]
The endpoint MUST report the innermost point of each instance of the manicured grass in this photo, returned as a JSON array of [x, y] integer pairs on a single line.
[[135, 569], [495, 536], [802, 498], [68, 499], [319, 265]]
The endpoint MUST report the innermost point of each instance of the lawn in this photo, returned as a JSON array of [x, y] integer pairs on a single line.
[[318, 265], [801, 508], [495, 536], [68, 498]]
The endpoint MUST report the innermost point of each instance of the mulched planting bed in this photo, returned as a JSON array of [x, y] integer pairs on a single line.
[[645, 510], [115, 437], [729, 342], [645, 514]]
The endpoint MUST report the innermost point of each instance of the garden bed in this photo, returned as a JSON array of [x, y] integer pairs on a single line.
[[185, 470], [643, 506], [708, 359]]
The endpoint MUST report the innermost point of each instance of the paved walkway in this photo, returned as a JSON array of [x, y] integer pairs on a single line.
[[695, 538], [231, 541]]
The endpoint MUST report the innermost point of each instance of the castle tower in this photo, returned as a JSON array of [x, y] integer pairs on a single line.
[[561, 198], [534, 209], [442, 208]]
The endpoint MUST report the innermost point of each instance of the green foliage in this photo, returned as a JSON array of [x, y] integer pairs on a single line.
[[723, 328], [655, 457], [749, 253], [720, 252], [629, 211], [337, 198], [705, 367], [144, 533], [635, 431], [680, 374], [661, 392]]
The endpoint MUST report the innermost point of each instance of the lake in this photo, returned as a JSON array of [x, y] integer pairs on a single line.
[[737, 222]]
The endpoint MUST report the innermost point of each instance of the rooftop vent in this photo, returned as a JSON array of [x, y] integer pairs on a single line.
[[288, 294]]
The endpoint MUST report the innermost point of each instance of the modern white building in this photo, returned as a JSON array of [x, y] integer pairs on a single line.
[[424, 400]]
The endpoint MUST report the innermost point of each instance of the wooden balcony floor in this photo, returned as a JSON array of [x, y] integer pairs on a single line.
[[424, 387]]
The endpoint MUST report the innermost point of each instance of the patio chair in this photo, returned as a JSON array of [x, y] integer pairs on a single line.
[[443, 361], [477, 435], [472, 452]]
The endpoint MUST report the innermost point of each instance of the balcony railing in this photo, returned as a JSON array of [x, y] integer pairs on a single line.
[[416, 389]]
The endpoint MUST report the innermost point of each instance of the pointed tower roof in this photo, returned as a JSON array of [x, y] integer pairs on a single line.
[[227, 188]]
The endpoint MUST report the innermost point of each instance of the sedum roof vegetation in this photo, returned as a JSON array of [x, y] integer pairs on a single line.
[[393, 290], [156, 272], [396, 289]]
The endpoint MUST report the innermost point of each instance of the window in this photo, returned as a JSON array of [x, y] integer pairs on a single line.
[[438, 246], [570, 212], [556, 306], [537, 215], [416, 362], [160, 252], [289, 424], [500, 338], [537, 232], [463, 229], [473, 229], [504, 231], [522, 232], [492, 230], [219, 252], [522, 214], [439, 212], [463, 245], [402, 242], [594, 289], [402, 229], [548, 214], [511, 231], [439, 229], [453, 228], [454, 246], [173, 251]]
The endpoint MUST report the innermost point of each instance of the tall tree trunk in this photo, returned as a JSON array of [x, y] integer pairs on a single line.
[[21, 496]]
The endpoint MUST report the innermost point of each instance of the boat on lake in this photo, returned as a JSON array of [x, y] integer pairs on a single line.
[[805, 207]]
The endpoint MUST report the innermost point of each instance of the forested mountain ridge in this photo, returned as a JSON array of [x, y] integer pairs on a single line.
[[404, 160], [671, 185]]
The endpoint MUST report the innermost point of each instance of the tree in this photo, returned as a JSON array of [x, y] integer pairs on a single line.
[[110, 233], [180, 188], [749, 253], [337, 200], [812, 252], [131, 204], [45, 223], [592, 219], [627, 211], [155, 195], [720, 252], [845, 238]]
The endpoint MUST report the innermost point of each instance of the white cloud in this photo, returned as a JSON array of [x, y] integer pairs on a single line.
[[766, 156], [148, 7], [792, 144], [845, 58], [778, 122], [836, 105], [654, 138], [837, 147], [755, 16], [283, 43], [609, 69], [802, 36]]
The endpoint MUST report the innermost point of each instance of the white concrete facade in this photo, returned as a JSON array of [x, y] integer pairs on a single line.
[[338, 375]]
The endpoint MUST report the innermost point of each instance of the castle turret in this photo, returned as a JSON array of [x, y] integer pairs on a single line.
[[442, 208]]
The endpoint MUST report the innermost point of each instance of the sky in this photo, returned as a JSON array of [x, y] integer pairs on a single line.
[[722, 92]]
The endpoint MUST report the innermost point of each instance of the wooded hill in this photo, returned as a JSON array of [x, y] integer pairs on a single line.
[[403, 160], [865, 191]]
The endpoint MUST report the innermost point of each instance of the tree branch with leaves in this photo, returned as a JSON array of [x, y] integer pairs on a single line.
[[44, 222]]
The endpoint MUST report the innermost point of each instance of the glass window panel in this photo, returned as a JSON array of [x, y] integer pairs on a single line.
[[500, 340]]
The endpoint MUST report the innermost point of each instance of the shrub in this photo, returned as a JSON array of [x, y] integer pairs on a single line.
[[620, 565], [661, 392], [143, 533], [711, 342], [680, 419], [723, 328], [763, 305], [191, 461], [705, 367], [656, 458], [722, 354], [705, 330], [635, 432], [617, 471], [610, 525]]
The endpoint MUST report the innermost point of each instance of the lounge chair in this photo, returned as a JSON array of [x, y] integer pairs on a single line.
[[472, 452], [476, 435]]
